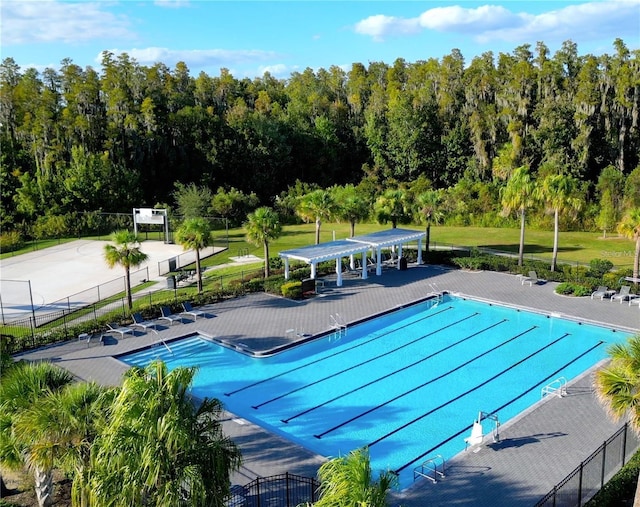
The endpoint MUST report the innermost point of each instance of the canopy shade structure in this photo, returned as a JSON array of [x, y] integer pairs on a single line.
[[313, 254], [390, 238], [376, 241]]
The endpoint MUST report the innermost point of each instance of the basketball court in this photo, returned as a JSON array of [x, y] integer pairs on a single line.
[[62, 275]]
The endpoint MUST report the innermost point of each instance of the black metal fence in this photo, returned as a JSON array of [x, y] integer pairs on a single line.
[[593, 473], [284, 490]]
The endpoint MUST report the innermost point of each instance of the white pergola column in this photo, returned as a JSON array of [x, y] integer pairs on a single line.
[[419, 251], [313, 270], [352, 261], [364, 265], [378, 261], [339, 271], [399, 254], [286, 268]]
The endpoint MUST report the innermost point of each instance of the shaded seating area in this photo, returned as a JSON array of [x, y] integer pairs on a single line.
[[189, 310]]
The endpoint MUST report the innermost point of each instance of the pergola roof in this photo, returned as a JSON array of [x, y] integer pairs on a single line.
[[325, 251], [388, 237]]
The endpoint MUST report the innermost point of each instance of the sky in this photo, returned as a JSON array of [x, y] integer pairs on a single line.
[[251, 37]]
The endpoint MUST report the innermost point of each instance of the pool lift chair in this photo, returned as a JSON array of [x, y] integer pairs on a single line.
[[477, 436]]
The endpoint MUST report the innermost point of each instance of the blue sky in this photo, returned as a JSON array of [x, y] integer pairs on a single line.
[[251, 37]]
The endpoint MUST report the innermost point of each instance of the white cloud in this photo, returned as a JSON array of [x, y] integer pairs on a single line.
[[194, 57], [381, 26], [53, 21], [595, 19], [278, 70], [172, 4]]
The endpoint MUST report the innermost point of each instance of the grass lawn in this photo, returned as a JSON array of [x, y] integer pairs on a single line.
[[574, 247]]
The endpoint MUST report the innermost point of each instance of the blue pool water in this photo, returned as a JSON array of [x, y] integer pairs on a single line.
[[408, 384]]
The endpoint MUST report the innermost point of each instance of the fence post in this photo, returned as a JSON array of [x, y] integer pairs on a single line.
[[286, 482], [604, 464], [624, 443], [258, 490], [580, 485]]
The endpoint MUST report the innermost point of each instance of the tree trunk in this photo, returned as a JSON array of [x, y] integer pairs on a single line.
[[266, 259], [521, 250], [636, 258], [43, 487], [428, 236], [127, 288], [318, 224], [556, 226], [199, 274], [353, 228]]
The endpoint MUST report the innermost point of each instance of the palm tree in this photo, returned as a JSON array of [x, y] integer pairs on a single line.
[[347, 482], [618, 386], [195, 234], [429, 203], [350, 205], [559, 193], [519, 194], [62, 428], [392, 207], [263, 226], [317, 205], [23, 387], [630, 228], [126, 253], [160, 448]]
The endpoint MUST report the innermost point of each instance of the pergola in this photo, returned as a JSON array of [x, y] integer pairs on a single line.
[[313, 254]]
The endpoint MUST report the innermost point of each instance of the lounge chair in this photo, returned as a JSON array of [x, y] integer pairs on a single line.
[[602, 292], [622, 294], [167, 315], [532, 278], [190, 310], [138, 321], [116, 328]]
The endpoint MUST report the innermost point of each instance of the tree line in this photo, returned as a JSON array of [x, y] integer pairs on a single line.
[[124, 136]]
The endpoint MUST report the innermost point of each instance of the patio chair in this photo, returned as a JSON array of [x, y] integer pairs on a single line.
[[532, 278], [622, 294], [602, 292], [167, 315], [190, 310], [138, 321], [116, 328]]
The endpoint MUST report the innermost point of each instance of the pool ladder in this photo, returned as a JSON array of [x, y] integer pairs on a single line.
[[557, 387], [431, 469], [338, 324]]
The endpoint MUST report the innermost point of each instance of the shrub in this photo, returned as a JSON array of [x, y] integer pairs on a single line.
[[11, 241], [292, 290], [598, 267], [620, 490], [573, 289], [273, 284]]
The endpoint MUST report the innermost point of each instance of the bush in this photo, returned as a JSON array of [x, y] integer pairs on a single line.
[[620, 490], [292, 290], [573, 289], [598, 267], [11, 241], [273, 284]]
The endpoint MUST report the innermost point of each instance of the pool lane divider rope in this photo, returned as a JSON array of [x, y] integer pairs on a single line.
[[370, 360], [415, 363], [424, 384], [344, 351], [467, 392], [503, 406]]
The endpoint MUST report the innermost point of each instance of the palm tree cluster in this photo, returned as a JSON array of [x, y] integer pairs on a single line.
[[145, 443]]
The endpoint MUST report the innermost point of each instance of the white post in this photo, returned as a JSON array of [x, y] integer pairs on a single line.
[[378, 262], [339, 271], [313, 270], [399, 254], [286, 268], [364, 265]]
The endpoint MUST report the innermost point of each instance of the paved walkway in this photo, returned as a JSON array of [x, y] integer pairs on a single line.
[[537, 450]]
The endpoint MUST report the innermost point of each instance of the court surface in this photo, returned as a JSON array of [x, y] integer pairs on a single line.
[[65, 270]]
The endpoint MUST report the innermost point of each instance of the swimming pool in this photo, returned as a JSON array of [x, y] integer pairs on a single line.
[[408, 384]]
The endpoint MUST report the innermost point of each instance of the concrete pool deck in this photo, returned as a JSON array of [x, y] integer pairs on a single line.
[[537, 450]]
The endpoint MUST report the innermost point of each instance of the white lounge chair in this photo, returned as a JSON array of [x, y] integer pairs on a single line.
[[531, 279], [190, 310], [622, 294], [602, 292], [167, 315], [138, 321], [116, 328]]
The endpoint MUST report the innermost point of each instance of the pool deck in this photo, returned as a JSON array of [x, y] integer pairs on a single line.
[[536, 450]]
